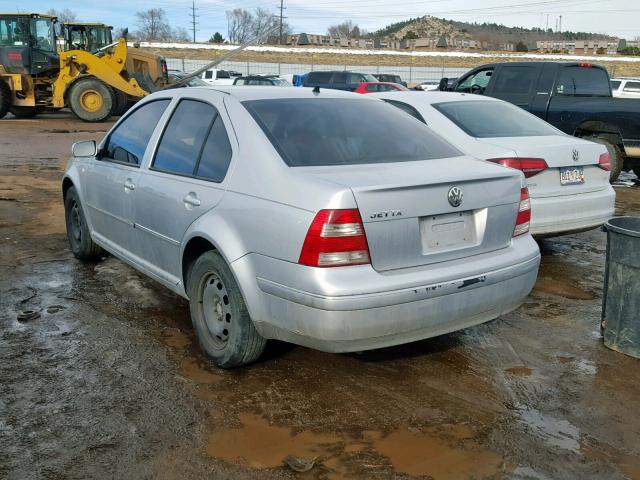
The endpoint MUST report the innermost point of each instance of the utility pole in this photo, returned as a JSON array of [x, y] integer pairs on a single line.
[[193, 19], [281, 17], [560, 23], [547, 27]]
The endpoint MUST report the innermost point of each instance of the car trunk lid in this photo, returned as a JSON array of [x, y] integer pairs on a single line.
[[409, 219], [561, 153]]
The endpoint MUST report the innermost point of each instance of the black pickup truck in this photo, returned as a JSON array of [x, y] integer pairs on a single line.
[[573, 97]]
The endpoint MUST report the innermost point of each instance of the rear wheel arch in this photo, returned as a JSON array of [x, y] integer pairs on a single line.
[[195, 247], [600, 129]]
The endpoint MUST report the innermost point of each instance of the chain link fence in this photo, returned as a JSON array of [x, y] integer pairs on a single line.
[[409, 73]]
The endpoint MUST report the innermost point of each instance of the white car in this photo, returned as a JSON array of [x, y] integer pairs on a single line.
[[217, 77], [625, 87], [568, 177], [430, 85]]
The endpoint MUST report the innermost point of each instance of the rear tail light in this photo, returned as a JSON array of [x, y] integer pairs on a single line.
[[335, 238], [604, 162], [524, 213], [585, 65], [528, 166]]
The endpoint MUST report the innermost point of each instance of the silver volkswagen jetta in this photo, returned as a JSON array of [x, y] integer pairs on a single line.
[[321, 218]]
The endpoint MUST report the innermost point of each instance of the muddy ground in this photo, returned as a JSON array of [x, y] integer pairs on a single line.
[[108, 381]]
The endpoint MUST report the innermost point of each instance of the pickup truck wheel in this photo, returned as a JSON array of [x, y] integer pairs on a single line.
[[617, 157], [6, 98], [91, 100], [219, 314], [80, 241]]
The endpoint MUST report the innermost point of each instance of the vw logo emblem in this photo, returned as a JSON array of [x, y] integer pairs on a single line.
[[455, 196], [575, 154]]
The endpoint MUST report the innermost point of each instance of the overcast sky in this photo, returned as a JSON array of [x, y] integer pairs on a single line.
[[615, 17]]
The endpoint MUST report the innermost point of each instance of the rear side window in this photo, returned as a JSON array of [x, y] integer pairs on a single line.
[[587, 81], [516, 80], [128, 142], [405, 107], [632, 87], [216, 155], [319, 77], [184, 137], [491, 119], [208, 74], [615, 84], [340, 131]]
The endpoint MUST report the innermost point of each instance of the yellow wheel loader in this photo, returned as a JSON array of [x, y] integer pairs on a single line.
[[94, 85]]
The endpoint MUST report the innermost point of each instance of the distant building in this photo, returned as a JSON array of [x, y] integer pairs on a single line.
[[578, 47]]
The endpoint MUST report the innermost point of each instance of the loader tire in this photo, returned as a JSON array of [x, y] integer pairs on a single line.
[[122, 103], [91, 100], [6, 98], [24, 112]]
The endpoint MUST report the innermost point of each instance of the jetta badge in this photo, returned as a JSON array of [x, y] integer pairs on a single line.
[[575, 154], [455, 196]]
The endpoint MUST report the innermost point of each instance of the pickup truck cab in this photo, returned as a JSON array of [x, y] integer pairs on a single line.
[[625, 87], [574, 97], [217, 77]]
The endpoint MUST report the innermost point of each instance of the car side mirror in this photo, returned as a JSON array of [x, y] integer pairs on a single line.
[[444, 83], [84, 149]]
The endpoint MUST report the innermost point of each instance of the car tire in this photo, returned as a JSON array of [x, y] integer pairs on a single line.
[[6, 98], [82, 245], [91, 100], [219, 314], [617, 157], [24, 112]]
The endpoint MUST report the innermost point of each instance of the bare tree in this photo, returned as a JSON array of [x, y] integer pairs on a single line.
[[239, 25], [153, 25], [260, 25], [345, 29], [180, 34], [64, 16]]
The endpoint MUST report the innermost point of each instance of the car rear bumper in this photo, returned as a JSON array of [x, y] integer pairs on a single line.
[[571, 213], [357, 308]]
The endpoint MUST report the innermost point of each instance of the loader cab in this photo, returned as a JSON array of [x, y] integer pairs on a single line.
[[28, 43], [89, 37]]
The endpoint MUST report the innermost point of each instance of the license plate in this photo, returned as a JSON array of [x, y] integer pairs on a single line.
[[449, 231], [571, 175]]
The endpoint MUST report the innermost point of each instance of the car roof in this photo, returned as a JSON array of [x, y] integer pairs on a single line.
[[428, 98], [250, 92]]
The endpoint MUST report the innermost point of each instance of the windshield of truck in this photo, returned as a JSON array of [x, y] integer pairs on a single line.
[[43, 34], [583, 81], [491, 119]]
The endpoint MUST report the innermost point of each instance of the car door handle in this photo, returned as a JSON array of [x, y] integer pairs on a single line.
[[192, 199], [129, 185]]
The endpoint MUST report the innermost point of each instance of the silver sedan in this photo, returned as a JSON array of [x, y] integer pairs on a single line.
[[322, 218]]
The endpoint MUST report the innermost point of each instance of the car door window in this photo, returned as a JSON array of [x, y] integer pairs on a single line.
[[516, 80], [208, 74], [340, 77], [183, 138], [615, 84], [475, 82], [216, 154], [632, 87], [128, 141], [372, 87]]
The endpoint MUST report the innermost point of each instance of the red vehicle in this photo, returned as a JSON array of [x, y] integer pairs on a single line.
[[373, 87]]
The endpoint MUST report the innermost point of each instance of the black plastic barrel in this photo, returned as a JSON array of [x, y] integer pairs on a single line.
[[621, 299]]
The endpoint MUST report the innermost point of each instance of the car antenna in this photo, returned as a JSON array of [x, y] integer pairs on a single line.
[[316, 89]]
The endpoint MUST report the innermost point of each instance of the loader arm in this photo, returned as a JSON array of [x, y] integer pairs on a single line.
[[107, 68]]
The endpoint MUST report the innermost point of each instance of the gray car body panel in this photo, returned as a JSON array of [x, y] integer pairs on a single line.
[[258, 217]]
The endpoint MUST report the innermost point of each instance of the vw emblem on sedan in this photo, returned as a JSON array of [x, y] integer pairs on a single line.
[[455, 196], [575, 154]]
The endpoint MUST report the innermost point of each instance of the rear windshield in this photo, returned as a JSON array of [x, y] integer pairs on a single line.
[[336, 131], [490, 119], [585, 81]]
